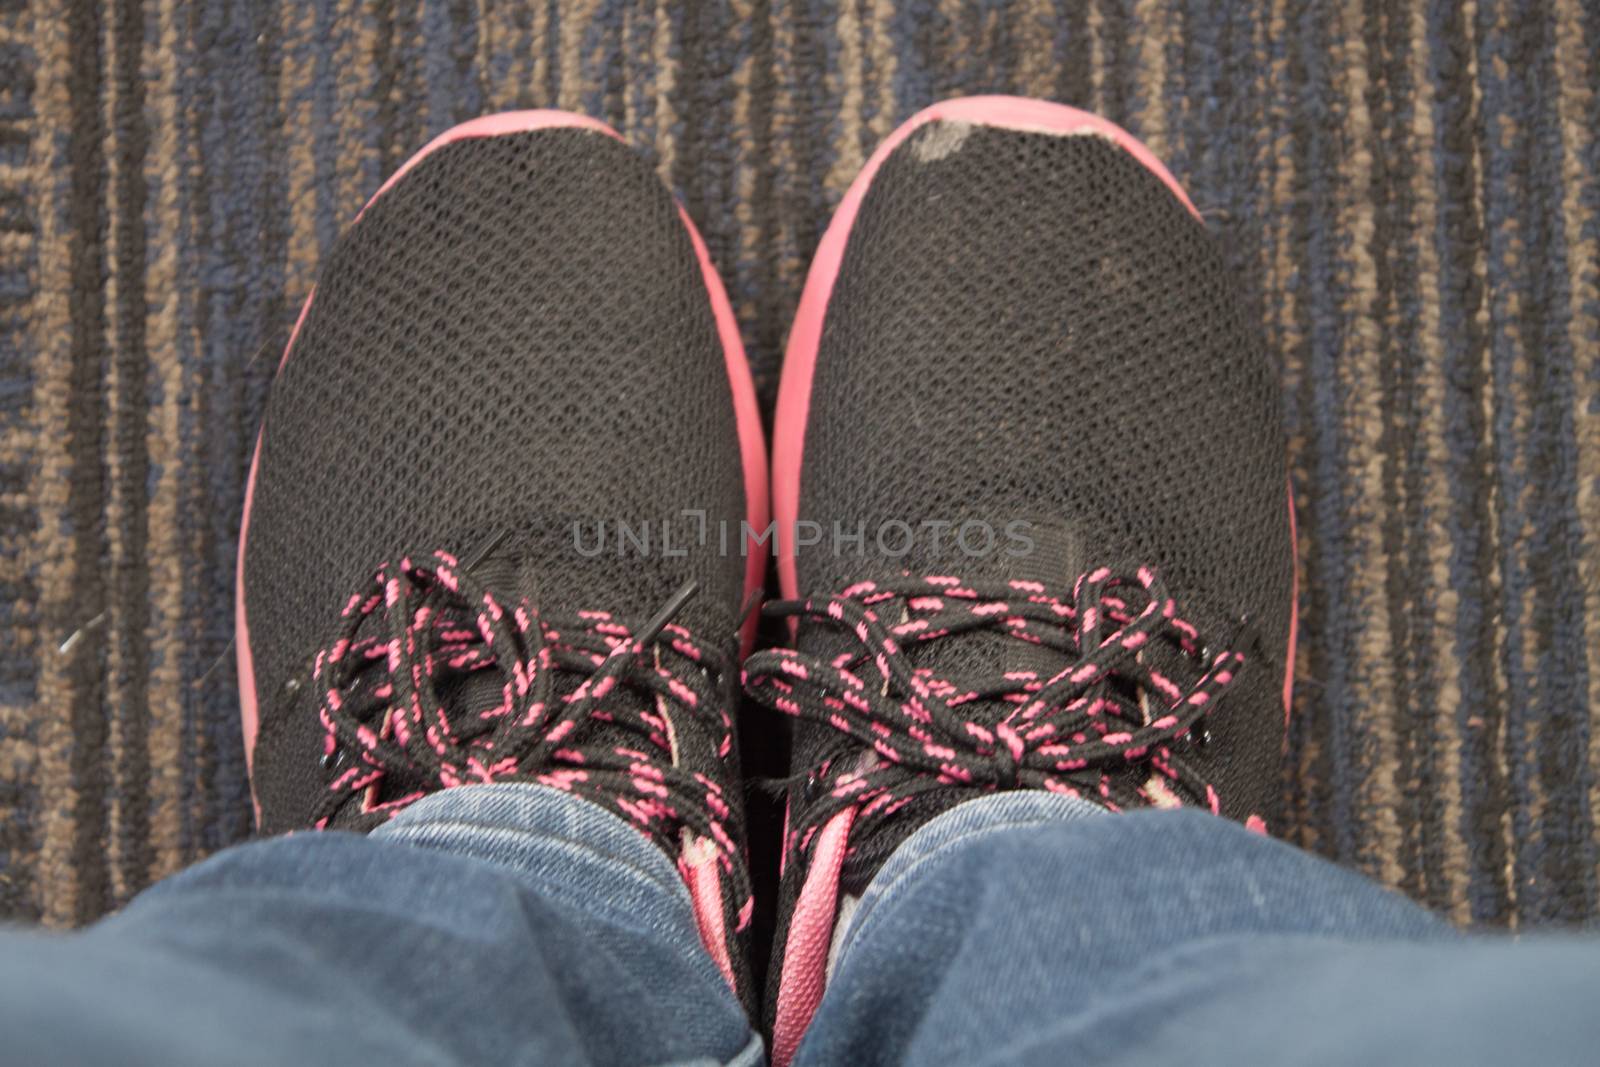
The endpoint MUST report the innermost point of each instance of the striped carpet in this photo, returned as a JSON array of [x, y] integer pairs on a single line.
[[1410, 194]]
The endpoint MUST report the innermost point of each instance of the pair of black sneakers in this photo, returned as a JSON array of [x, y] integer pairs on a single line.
[[511, 508]]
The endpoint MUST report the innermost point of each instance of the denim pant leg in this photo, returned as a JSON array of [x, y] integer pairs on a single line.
[[486, 924], [1029, 928]]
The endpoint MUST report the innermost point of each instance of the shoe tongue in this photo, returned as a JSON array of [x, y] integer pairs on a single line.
[[511, 579], [473, 694], [479, 691], [1056, 558], [1059, 555]]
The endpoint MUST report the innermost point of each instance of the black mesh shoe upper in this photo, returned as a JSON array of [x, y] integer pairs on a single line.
[[514, 338], [1032, 328]]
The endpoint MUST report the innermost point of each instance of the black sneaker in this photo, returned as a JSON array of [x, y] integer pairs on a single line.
[[520, 344], [1033, 446]]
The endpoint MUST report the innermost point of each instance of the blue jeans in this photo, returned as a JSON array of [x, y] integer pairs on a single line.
[[515, 924]]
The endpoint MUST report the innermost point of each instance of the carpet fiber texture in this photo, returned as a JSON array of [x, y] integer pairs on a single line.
[[1409, 193]]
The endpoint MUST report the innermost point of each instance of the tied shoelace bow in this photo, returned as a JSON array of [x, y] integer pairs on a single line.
[[1077, 732], [388, 730]]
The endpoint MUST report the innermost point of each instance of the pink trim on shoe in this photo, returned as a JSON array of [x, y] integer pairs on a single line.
[[249, 714], [788, 444], [752, 442], [705, 894], [500, 125], [1294, 620], [747, 416], [805, 950]]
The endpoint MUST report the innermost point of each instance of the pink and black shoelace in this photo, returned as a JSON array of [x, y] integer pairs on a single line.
[[582, 707], [1111, 726]]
